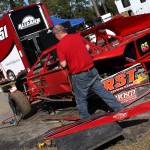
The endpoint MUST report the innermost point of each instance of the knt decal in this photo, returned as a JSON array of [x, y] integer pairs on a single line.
[[126, 96]]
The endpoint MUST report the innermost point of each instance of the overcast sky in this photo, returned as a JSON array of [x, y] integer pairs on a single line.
[[35, 1], [26, 1]]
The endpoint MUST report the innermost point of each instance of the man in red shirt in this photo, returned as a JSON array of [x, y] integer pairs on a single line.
[[72, 51]]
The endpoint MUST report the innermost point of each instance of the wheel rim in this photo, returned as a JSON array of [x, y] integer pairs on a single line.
[[11, 76]]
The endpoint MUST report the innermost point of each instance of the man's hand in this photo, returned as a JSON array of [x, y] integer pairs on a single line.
[[88, 47], [63, 64]]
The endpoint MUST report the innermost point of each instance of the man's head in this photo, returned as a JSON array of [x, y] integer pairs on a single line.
[[59, 31]]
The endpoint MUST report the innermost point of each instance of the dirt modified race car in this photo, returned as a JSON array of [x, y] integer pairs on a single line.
[[121, 58]]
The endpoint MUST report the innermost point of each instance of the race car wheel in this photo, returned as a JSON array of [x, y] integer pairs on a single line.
[[20, 79], [19, 104], [10, 75]]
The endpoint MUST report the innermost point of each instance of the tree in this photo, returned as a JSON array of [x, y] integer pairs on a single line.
[[64, 8], [69, 8], [111, 7], [6, 5], [84, 9]]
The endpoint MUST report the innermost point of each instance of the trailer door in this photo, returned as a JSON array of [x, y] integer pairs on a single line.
[[145, 4], [10, 58], [31, 22]]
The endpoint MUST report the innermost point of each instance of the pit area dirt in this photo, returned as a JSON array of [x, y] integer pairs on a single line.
[[30, 131]]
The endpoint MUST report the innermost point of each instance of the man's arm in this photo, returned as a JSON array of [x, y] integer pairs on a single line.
[[88, 47], [63, 64]]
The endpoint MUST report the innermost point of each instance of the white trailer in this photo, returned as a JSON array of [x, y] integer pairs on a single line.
[[24, 33], [136, 6]]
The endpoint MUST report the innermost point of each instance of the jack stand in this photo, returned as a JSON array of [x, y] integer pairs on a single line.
[[45, 144]]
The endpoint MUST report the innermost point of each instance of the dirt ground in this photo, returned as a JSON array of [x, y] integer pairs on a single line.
[[29, 132]]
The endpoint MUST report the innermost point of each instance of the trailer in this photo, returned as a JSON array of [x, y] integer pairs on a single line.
[[23, 39], [136, 7]]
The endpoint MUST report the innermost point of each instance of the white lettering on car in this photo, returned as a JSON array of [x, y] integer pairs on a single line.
[[120, 116], [3, 33], [28, 21]]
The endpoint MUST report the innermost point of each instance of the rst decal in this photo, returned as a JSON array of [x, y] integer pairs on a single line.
[[125, 79], [3, 33], [120, 80]]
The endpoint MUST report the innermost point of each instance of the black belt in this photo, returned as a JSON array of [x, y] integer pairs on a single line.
[[85, 70]]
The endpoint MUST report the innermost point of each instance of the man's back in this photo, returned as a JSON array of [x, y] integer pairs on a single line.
[[72, 48]]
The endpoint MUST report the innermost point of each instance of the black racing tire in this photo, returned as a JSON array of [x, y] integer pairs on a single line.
[[20, 79], [19, 104]]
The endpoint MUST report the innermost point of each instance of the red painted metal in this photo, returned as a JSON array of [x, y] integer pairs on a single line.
[[47, 15], [57, 81], [126, 29], [122, 26], [15, 40], [8, 40], [53, 82], [98, 121], [12, 36], [117, 48]]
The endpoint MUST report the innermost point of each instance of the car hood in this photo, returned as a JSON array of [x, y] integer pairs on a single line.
[[122, 26]]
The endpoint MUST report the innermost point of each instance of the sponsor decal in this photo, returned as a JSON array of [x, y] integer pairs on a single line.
[[126, 96], [120, 116], [140, 78], [13, 62], [120, 80], [125, 79], [28, 21], [144, 47], [127, 86]]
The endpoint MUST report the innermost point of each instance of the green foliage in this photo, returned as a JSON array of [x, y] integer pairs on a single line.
[[6, 5], [3, 6], [111, 7], [108, 6], [69, 8], [31, 1], [64, 8]]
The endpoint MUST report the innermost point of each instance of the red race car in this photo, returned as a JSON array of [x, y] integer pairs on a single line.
[[122, 59]]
